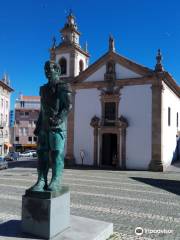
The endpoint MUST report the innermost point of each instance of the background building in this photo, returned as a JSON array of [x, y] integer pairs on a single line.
[[5, 91], [26, 114], [124, 114]]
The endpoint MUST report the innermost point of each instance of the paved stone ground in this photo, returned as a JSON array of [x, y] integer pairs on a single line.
[[129, 199]]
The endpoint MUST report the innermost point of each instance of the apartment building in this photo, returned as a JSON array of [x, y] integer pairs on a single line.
[[5, 93], [26, 114]]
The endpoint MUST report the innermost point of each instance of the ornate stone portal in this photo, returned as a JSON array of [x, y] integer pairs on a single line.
[[110, 130]]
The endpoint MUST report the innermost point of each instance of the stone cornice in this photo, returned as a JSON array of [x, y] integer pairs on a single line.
[[70, 47], [171, 83], [8, 88], [118, 82]]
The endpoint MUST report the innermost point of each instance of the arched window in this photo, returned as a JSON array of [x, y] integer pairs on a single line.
[[81, 66], [63, 65]]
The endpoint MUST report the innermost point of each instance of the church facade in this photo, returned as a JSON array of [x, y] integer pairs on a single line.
[[124, 115]]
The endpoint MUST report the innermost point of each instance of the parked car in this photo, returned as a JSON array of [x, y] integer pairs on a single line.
[[3, 163], [12, 156], [29, 153]]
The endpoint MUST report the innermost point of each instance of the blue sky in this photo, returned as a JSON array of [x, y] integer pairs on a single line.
[[139, 27]]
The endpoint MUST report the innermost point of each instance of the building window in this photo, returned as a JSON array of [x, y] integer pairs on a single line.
[[1, 120], [35, 139], [169, 116], [25, 131], [63, 65], [177, 120], [22, 103], [20, 131], [26, 113], [81, 66], [17, 139], [6, 135], [1, 134], [110, 111], [30, 139]]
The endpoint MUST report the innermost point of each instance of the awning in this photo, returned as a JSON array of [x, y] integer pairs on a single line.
[[29, 145]]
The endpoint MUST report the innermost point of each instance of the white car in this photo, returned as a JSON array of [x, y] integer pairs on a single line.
[[29, 153]]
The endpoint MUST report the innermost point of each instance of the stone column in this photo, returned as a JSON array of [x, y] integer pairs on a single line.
[[69, 158], [95, 124], [123, 148], [96, 146], [156, 158]]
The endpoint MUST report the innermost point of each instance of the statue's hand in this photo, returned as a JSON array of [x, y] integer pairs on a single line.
[[55, 121]]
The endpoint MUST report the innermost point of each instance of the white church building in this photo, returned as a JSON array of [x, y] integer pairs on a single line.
[[124, 115]]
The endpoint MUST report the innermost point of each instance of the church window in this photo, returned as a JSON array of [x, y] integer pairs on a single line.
[[63, 65], [81, 66], [110, 111], [169, 116]]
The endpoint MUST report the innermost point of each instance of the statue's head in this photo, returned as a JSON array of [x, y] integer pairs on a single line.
[[52, 72]]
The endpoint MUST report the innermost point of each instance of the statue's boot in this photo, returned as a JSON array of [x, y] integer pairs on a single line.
[[57, 169], [43, 167]]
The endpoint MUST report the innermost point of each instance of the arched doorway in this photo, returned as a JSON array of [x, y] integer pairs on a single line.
[[109, 149]]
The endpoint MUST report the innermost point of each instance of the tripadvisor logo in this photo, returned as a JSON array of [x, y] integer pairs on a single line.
[[139, 231]]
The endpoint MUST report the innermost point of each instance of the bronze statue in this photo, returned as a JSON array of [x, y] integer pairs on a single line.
[[51, 128]]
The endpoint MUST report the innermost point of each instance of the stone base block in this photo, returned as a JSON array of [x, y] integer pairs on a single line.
[[156, 166], [86, 229], [46, 214]]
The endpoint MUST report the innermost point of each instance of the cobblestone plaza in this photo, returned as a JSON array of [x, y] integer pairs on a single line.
[[129, 199]]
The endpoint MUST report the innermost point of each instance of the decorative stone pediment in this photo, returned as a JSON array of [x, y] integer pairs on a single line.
[[112, 66]]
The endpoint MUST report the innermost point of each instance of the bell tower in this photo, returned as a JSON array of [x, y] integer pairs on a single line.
[[71, 57]]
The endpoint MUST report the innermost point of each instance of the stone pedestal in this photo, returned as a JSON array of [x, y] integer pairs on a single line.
[[46, 214]]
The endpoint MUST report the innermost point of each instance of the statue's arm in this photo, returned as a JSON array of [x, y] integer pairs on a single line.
[[38, 124], [39, 121], [67, 105]]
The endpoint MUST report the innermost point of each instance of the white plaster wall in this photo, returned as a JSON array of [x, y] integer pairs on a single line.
[[98, 75], [67, 57], [169, 99], [87, 104], [122, 72], [136, 106]]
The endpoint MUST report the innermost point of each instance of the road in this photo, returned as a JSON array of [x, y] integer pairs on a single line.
[[129, 199]]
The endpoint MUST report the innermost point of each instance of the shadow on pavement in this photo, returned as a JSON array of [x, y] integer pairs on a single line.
[[172, 186], [12, 228]]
